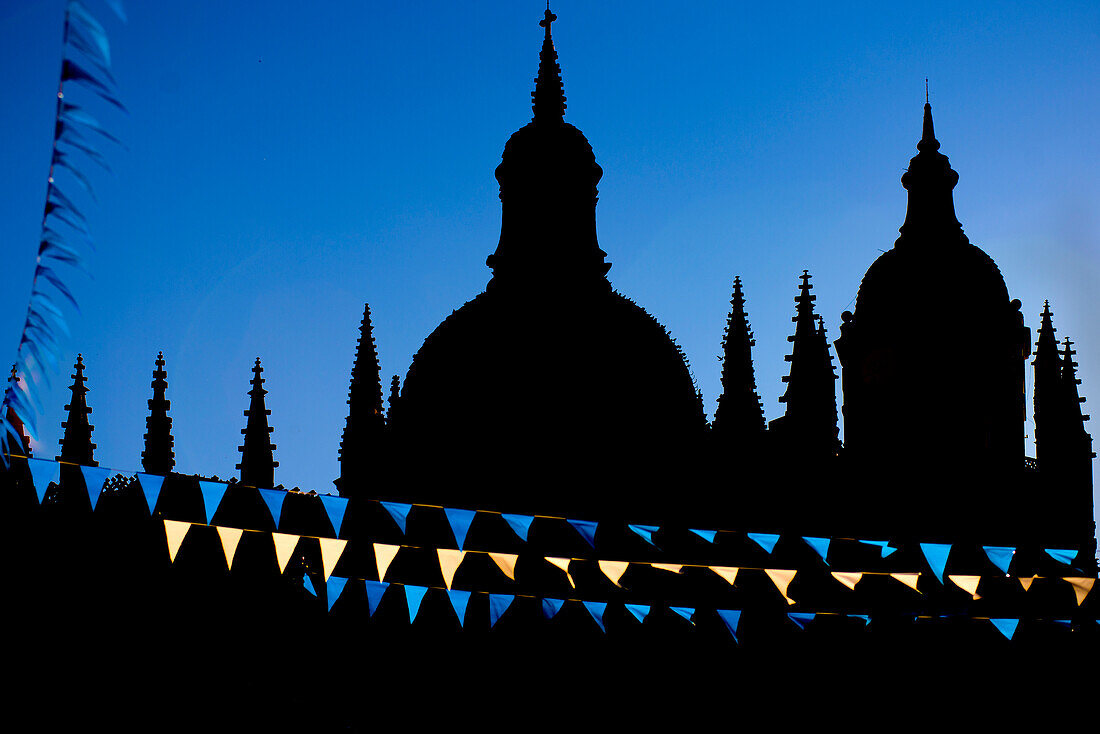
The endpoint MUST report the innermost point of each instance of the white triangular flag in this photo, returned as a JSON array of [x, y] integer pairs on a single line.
[[729, 573], [614, 570], [331, 550], [909, 579], [507, 563], [968, 584], [175, 531], [449, 561], [284, 548], [782, 579], [670, 567], [563, 564], [384, 555], [230, 537], [849, 579]]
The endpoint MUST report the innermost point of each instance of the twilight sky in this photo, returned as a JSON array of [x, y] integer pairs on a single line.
[[289, 161]]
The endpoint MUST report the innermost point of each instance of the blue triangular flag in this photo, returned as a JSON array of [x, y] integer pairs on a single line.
[[707, 535], [460, 523], [1062, 555], [274, 498], [375, 590], [646, 532], [521, 524], [335, 507], [306, 582], [459, 600], [640, 611], [335, 587], [43, 472], [802, 618], [887, 549], [821, 545], [587, 529], [212, 493], [1066, 622], [766, 541], [999, 556], [399, 511], [414, 595], [732, 618], [150, 487], [865, 617], [550, 607], [596, 609], [1007, 627], [936, 554], [94, 477], [498, 605], [685, 612]]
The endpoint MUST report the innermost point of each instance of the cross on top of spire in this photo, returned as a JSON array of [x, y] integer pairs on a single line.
[[548, 99]]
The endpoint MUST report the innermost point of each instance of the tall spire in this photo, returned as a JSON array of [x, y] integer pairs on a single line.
[[158, 456], [739, 417], [76, 444], [1048, 393], [24, 445], [548, 99], [257, 453], [365, 425], [930, 181]]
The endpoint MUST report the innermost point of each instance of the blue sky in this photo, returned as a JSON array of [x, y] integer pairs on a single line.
[[289, 161]]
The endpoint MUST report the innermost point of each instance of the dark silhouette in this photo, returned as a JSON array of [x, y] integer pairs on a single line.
[[362, 445], [76, 444], [14, 421], [739, 417], [258, 463], [158, 456]]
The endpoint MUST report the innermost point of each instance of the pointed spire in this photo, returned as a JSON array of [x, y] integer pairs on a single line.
[[1070, 395], [548, 99], [395, 393], [930, 181], [928, 140], [258, 463], [739, 417], [15, 421], [366, 423], [76, 444], [1048, 392], [158, 456]]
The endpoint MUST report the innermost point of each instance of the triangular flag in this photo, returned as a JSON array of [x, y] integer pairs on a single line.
[[685, 612], [459, 600], [596, 609], [821, 545], [614, 570], [94, 477], [460, 523], [968, 584], [645, 532], [284, 548], [782, 579], [498, 605], [1081, 586], [150, 487], [175, 531], [640, 611], [506, 562], [399, 511], [375, 590], [766, 541], [1063, 622], [999, 555], [802, 618], [563, 564], [550, 607], [521, 524], [1026, 581], [308, 583], [587, 530], [331, 550], [335, 507], [865, 617], [414, 595], [909, 579], [1062, 555], [707, 535], [936, 554], [1007, 627], [43, 472], [449, 561], [334, 587], [212, 493], [274, 498], [670, 567], [729, 573], [383, 556], [849, 579], [884, 545], [732, 617], [230, 537]]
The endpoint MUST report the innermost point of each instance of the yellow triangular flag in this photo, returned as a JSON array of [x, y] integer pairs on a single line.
[[507, 563], [672, 567], [175, 531], [909, 579], [1026, 581], [614, 570], [782, 579], [1082, 585], [331, 550], [449, 561], [384, 555], [729, 573], [968, 584], [230, 537], [849, 579], [284, 548], [563, 564]]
